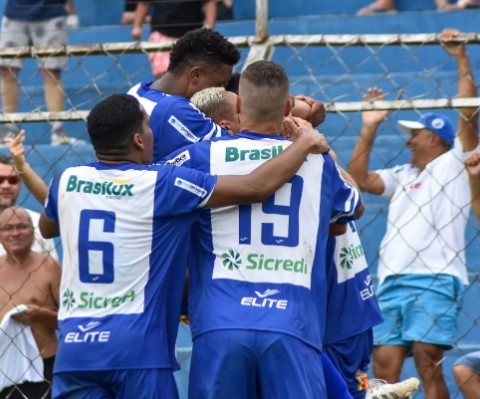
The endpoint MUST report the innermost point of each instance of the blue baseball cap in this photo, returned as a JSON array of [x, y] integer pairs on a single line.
[[439, 124]]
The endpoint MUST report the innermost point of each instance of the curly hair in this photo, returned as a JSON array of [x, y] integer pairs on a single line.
[[202, 45], [113, 121]]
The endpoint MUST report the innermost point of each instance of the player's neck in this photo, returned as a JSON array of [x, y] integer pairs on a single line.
[[19, 259], [116, 159], [169, 84], [273, 128]]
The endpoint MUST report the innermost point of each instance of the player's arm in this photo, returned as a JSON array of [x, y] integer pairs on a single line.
[[48, 227], [348, 177], [472, 163], [141, 12], [265, 180], [309, 109], [48, 223], [210, 11], [30, 178], [468, 121], [41, 314], [36, 314], [367, 181]]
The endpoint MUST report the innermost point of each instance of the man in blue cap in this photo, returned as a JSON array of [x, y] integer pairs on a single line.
[[421, 267]]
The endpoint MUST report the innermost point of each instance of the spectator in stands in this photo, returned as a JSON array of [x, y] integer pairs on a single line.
[[472, 164], [421, 262], [40, 23], [28, 310], [10, 179], [380, 6], [171, 20], [467, 375], [467, 368]]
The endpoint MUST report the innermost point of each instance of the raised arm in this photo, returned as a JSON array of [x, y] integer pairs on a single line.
[[472, 163], [358, 168], [32, 180], [468, 121], [141, 12], [210, 11], [266, 179]]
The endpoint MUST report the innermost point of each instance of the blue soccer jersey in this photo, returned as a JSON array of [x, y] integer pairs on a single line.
[[352, 306], [175, 121], [124, 229], [251, 266]]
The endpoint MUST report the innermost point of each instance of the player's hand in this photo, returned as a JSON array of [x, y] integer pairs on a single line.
[[456, 50], [373, 117], [137, 33], [17, 149], [28, 316], [317, 112], [296, 128], [472, 163]]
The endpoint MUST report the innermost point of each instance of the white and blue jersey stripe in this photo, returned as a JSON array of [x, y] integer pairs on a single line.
[[124, 229], [352, 306], [174, 120], [251, 265]]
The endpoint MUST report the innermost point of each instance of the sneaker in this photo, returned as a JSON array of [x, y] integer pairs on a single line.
[[59, 137], [10, 130], [379, 389]]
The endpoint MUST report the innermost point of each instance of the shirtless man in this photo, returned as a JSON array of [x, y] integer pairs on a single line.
[[29, 278]]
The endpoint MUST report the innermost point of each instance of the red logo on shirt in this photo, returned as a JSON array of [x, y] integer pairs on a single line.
[[415, 185]]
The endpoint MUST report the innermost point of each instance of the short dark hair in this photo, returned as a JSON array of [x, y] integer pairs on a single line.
[[266, 74], [233, 83], [264, 91], [6, 159], [113, 121], [202, 45]]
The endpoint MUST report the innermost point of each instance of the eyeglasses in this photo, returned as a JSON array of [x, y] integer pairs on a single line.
[[12, 179], [19, 227]]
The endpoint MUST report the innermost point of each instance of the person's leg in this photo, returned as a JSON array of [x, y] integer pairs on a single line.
[[467, 375], [52, 32], [351, 358], [145, 384], [390, 347], [335, 384], [288, 367], [82, 385], [431, 324], [388, 362], [53, 90], [223, 365], [13, 34], [10, 89], [428, 360]]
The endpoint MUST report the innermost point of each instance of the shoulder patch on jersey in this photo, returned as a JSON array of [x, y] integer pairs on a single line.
[[182, 129], [180, 159], [189, 186]]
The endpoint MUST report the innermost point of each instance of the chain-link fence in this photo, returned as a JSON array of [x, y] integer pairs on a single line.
[[414, 72]]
